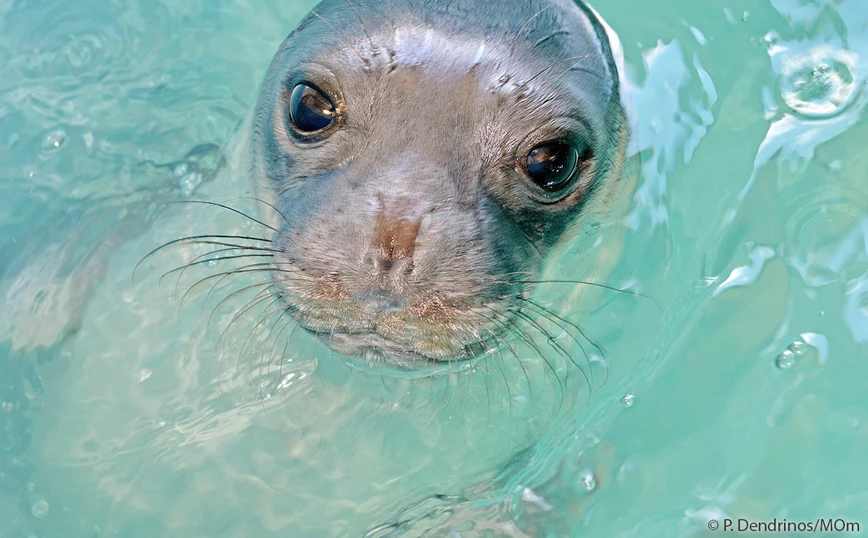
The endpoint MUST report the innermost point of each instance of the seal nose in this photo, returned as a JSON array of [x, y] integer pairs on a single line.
[[394, 241], [396, 225]]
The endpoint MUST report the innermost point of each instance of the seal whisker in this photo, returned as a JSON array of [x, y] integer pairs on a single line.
[[260, 297], [556, 62], [549, 338], [261, 201], [524, 27], [488, 399], [257, 299], [498, 342], [554, 343], [338, 32], [195, 239], [252, 268], [235, 294], [550, 317], [632, 292], [510, 330], [546, 311], [530, 341], [362, 24], [233, 210], [549, 37], [576, 67], [392, 24], [263, 318], [548, 314], [199, 261], [289, 321]]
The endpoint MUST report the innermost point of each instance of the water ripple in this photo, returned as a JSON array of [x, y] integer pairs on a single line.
[[668, 128], [819, 82]]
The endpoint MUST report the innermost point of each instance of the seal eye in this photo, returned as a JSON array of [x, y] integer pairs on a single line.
[[310, 111], [551, 165]]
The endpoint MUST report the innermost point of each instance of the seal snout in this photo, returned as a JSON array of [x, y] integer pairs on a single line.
[[396, 231]]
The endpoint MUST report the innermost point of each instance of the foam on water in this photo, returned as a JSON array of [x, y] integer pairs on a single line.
[[727, 381]]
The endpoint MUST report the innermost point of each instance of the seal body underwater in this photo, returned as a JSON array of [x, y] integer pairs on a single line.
[[417, 165], [425, 158]]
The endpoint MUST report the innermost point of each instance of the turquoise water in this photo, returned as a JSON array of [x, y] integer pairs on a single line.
[[735, 387]]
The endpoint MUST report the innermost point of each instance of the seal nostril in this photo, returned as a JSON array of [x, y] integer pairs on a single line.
[[384, 264]]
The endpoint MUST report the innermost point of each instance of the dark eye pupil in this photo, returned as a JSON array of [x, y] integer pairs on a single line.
[[551, 165], [309, 110]]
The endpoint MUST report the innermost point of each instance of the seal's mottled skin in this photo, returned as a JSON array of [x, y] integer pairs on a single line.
[[410, 232]]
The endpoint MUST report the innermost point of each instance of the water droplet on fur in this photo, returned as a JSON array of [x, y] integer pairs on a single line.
[[627, 400], [786, 360]]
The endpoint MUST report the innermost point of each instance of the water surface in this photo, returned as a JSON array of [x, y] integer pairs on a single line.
[[737, 390]]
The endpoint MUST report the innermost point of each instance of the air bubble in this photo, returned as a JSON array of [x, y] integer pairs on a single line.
[[588, 482], [8, 407], [820, 84], [199, 165], [798, 348], [627, 400], [786, 360], [144, 375], [40, 509], [54, 140], [180, 169], [771, 39], [188, 183]]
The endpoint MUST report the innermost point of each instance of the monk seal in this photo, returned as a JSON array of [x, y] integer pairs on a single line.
[[424, 159]]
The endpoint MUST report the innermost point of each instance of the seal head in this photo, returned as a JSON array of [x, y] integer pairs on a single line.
[[425, 158]]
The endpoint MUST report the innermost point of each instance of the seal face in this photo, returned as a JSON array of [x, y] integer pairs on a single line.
[[425, 157]]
